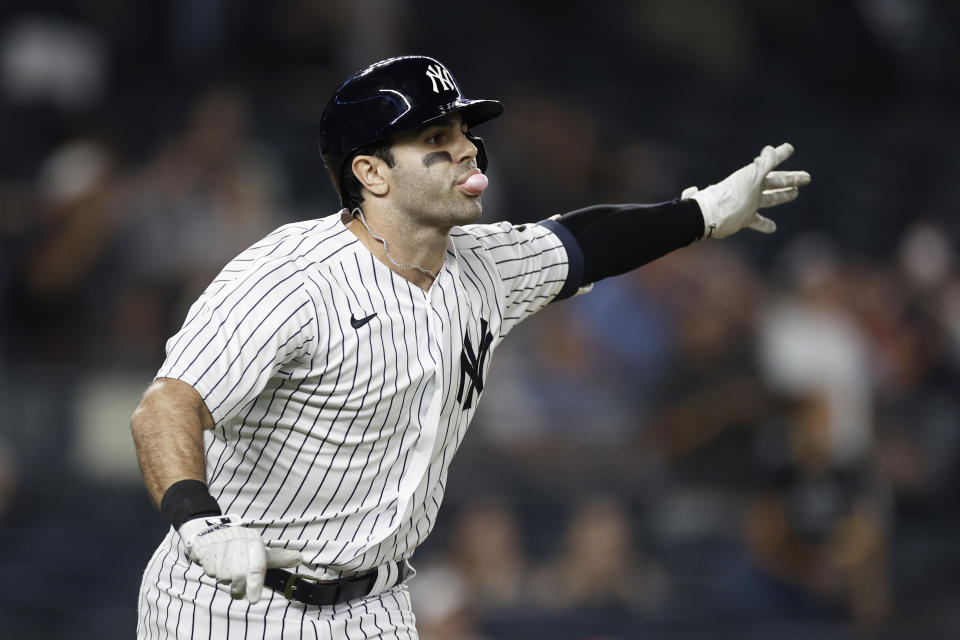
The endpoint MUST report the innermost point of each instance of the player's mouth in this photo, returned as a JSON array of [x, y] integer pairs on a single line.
[[473, 183]]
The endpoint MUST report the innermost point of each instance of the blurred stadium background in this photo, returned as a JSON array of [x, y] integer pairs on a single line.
[[749, 438]]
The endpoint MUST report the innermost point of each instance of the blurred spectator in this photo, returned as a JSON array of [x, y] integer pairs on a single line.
[[441, 602], [822, 527], [554, 159], [45, 59], [487, 550], [558, 388], [631, 331], [205, 196], [211, 183], [709, 387], [57, 291], [600, 567], [811, 346], [822, 524], [482, 574]]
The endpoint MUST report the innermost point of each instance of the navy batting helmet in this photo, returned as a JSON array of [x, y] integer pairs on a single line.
[[390, 97]]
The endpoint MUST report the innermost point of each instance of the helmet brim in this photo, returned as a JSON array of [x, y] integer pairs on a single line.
[[474, 112]]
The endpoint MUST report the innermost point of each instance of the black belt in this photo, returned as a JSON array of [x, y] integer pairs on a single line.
[[306, 589]]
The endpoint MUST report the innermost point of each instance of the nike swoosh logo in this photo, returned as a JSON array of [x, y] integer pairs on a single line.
[[356, 324]]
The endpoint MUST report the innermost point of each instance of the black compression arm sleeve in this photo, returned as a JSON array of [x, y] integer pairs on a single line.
[[615, 239]]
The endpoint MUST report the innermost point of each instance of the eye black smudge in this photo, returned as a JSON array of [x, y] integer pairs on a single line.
[[435, 157]]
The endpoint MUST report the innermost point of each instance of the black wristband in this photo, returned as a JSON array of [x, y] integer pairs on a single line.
[[186, 500]]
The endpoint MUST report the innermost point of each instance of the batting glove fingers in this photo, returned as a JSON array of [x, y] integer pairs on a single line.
[[731, 205]]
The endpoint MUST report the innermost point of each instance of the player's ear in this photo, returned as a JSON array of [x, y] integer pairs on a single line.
[[371, 171]]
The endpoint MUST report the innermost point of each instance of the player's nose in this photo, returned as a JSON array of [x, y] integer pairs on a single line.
[[466, 150]]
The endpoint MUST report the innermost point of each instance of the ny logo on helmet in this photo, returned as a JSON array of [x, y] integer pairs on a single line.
[[438, 73]]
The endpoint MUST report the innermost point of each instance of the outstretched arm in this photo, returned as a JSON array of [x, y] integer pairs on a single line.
[[614, 239]]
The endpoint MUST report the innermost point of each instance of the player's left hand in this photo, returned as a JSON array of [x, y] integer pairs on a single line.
[[731, 205]]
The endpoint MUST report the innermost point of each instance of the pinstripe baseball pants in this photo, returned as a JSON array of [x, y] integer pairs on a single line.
[[178, 601]]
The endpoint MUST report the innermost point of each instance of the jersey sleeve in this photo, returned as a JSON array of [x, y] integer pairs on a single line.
[[536, 263], [236, 337]]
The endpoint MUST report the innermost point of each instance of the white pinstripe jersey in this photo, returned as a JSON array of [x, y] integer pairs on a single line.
[[340, 391]]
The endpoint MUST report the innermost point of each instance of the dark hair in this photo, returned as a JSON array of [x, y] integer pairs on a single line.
[[351, 191]]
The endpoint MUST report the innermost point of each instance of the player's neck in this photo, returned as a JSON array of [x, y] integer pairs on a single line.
[[409, 246]]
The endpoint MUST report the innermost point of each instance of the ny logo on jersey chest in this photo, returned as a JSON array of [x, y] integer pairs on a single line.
[[471, 365]]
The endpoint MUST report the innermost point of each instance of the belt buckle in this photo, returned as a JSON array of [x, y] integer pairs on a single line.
[[291, 586]]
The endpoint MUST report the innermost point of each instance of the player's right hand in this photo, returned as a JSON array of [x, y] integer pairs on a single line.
[[233, 554]]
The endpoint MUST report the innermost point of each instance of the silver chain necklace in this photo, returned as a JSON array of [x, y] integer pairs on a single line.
[[358, 212]]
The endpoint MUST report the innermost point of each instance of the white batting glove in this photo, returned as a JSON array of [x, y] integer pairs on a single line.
[[233, 554], [731, 205]]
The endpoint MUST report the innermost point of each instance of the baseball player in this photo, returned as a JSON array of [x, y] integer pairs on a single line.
[[298, 435]]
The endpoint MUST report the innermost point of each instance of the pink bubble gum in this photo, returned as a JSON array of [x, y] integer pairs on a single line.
[[475, 184]]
